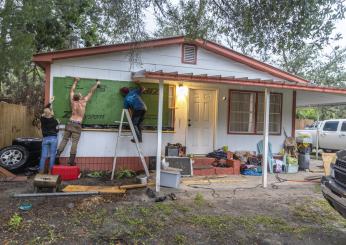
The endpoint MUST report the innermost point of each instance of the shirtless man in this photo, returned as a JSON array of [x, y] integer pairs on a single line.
[[73, 128]]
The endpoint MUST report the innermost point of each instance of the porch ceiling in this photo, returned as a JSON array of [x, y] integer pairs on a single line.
[[244, 81], [315, 99]]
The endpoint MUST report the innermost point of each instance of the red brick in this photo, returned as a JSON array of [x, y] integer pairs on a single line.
[[235, 164], [204, 172], [224, 171], [198, 161]]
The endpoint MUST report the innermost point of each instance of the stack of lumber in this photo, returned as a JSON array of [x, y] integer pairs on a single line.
[[6, 175]]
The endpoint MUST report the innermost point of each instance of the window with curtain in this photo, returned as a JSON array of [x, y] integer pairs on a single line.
[[246, 110]]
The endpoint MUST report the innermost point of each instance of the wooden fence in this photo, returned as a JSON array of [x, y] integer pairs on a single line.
[[15, 121], [301, 123]]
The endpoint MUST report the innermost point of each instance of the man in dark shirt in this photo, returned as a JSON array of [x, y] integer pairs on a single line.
[[134, 102]]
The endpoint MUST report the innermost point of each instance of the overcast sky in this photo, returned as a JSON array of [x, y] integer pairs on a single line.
[[341, 28]]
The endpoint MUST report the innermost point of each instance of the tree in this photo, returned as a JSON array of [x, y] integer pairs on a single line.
[[289, 33], [29, 27], [317, 66], [189, 18], [265, 27]]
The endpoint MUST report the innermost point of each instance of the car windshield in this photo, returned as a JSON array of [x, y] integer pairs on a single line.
[[315, 125]]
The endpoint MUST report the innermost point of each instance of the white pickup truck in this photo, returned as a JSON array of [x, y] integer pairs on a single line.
[[331, 134]]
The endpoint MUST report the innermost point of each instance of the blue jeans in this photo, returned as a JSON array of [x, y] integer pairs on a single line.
[[49, 144]]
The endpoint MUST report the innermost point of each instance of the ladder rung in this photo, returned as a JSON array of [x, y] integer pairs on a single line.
[[140, 153]]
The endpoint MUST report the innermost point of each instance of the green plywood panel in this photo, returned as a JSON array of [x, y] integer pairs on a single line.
[[107, 103]]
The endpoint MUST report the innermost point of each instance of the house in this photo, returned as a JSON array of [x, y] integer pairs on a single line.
[[219, 96]]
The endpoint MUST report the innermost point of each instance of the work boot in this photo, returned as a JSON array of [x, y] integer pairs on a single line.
[[71, 160]]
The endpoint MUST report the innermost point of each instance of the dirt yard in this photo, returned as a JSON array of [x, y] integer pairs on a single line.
[[228, 212]]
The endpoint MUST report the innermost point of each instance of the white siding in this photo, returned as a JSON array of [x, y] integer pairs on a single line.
[[116, 66]]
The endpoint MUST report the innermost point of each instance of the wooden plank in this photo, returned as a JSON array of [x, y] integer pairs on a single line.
[[6, 173], [135, 186], [87, 188], [14, 179]]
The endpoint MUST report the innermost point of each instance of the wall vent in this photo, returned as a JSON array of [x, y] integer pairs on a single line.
[[189, 54]]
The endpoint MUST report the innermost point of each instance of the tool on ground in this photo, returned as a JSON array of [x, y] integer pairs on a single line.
[[54, 194], [126, 113], [47, 181]]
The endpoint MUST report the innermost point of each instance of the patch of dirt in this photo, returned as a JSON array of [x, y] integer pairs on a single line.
[[291, 214]]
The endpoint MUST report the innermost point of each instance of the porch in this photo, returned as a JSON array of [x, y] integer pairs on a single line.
[[265, 106]]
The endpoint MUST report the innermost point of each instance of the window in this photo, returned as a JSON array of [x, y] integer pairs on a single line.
[[246, 112], [343, 127], [189, 54], [242, 112], [331, 126]]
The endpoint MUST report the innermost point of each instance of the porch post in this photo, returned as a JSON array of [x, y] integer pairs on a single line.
[[317, 132], [265, 138], [159, 136]]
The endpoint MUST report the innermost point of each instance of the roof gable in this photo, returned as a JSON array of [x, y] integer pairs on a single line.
[[47, 58]]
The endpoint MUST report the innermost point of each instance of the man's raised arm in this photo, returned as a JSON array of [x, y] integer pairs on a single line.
[[76, 79], [141, 88], [92, 90]]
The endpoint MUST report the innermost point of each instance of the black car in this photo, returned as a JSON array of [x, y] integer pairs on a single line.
[[334, 186], [23, 153]]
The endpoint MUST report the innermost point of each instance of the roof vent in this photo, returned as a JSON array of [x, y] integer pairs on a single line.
[[189, 54]]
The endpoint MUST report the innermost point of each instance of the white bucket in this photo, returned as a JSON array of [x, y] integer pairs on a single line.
[[142, 179]]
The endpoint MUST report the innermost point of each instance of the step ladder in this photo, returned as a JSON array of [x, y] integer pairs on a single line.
[[126, 113]]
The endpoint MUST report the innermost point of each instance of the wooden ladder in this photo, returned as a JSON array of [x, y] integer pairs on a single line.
[[126, 113]]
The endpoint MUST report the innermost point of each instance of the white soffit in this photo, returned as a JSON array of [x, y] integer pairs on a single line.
[[307, 98]]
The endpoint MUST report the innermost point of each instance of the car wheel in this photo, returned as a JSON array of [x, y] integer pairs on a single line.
[[13, 157]]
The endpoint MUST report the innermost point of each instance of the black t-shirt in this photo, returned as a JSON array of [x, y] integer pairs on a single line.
[[49, 126]]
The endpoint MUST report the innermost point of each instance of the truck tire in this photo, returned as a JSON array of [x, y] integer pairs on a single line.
[[13, 157]]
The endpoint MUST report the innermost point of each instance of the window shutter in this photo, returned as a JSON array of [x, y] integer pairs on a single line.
[[189, 54]]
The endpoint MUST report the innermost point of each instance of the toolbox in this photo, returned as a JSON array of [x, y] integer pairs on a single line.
[[46, 181], [66, 172]]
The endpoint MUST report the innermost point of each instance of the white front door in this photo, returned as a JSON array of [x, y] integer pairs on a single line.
[[201, 121]]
